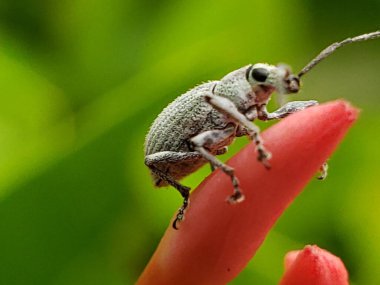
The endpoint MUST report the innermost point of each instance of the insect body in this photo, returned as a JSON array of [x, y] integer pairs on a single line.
[[200, 124]]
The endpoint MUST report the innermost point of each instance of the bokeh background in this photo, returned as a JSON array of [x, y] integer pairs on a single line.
[[80, 83]]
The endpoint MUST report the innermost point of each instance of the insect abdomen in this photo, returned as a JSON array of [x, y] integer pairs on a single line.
[[180, 120]]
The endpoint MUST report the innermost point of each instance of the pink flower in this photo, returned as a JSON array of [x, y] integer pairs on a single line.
[[216, 240], [313, 266]]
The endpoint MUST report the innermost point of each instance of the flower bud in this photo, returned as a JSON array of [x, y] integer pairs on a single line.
[[314, 266]]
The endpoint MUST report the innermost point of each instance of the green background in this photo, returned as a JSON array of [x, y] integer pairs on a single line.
[[80, 83]]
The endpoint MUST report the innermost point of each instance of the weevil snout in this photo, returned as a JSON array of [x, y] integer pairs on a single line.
[[292, 84]]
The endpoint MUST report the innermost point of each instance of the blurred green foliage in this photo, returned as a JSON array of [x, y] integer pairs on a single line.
[[81, 81]]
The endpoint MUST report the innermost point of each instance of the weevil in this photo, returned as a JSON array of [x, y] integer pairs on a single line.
[[200, 124]]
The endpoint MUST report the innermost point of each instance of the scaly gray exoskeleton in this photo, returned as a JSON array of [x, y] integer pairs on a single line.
[[200, 124]]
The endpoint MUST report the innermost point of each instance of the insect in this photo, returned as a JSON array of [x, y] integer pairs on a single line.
[[200, 124]]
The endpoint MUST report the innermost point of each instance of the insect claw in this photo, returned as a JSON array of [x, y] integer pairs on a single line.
[[178, 218], [174, 225], [264, 157], [323, 171], [181, 215], [235, 198], [266, 164]]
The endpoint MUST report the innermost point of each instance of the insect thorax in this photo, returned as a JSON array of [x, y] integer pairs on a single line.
[[236, 88]]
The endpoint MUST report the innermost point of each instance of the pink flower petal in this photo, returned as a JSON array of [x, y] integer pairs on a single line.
[[216, 240]]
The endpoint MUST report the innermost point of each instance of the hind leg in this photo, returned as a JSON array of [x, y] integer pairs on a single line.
[[154, 161]]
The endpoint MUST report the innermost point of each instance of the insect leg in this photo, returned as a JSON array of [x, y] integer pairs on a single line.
[[228, 108], [167, 157], [207, 140], [219, 152], [287, 109], [323, 171], [184, 190]]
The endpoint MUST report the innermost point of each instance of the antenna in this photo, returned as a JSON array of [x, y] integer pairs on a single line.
[[331, 48]]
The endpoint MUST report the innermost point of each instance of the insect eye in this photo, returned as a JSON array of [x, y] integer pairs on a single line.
[[260, 74]]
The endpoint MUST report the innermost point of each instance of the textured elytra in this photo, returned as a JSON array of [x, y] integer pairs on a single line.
[[185, 117]]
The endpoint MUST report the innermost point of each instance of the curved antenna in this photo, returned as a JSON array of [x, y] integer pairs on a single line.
[[331, 48]]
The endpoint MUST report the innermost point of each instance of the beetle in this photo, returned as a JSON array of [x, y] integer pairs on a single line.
[[201, 123]]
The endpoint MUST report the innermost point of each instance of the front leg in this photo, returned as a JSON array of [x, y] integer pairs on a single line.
[[323, 171], [227, 107], [287, 109]]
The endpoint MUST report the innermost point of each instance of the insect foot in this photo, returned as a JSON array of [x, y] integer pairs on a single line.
[[264, 157], [181, 214], [323, 171], [235, 198]]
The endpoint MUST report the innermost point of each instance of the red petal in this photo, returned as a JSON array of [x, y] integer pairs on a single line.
[[216, 240], [313, 266]]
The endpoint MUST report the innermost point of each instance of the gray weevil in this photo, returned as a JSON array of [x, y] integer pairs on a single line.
[[200, 124]]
